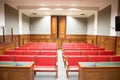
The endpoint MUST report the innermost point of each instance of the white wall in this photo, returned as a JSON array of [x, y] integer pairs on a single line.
[[114, 12], [40, 25], [25, 24], [90, 25], [2, 15], [76, 25]]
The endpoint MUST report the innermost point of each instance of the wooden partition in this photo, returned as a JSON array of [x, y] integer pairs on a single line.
[[24, 39], [15, 41], [118, 45], [91, 39], [11, 71], [102, 72], [68, 38], [107, 42]]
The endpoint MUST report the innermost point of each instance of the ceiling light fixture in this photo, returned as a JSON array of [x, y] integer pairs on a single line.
[[74, 9], [34, 13], [58, 9], [44, 9], [82, 14], [73, 5]]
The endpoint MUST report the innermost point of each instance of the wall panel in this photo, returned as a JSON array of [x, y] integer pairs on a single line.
[[107, 42], [118, 45]]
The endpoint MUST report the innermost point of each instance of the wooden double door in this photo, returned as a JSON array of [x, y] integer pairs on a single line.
[[58, 26]]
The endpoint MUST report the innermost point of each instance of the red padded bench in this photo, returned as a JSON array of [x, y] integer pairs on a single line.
[[46, 64], [48, 52], [13, 52], [115, 58], [72, 63], [6, 58], [25, 58], [31, 52], [89, 52], [22, 48], [98, 58], [109, 52], [72, 52], [97, 48]]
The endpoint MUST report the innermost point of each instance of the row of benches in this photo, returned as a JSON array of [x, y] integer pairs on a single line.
[[71, 61], [88, 52], [31, 52], [43, 63]]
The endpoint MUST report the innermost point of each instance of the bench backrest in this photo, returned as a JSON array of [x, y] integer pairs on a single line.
[[31, 52], [6, 58], [45, 60], [72, 52], [13, 52], [115, 58], [89, 52], [26, 58], [48, 52], [98, 58], [73, 60], [106, 53]]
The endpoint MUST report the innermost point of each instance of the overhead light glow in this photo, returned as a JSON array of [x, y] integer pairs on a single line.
[[58, 9], [74, 9], [44, 9], [58, 4], [73, 5]]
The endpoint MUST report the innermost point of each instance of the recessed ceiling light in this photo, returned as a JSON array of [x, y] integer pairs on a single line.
[[82, 14], [34, 13], [73, 5], [58, 4], [75, 9], [44, 9], [43, 4], [58, 9]]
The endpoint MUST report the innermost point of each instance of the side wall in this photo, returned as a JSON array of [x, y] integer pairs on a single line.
[[104, 17]]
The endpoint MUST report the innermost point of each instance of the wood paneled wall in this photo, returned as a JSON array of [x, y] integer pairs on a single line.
[[11, 43], [91, 39], [107, 42], [47, 38], [118, 45], [24, 39]]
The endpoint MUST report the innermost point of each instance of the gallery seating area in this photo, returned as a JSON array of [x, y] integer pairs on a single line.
[[45, 56]]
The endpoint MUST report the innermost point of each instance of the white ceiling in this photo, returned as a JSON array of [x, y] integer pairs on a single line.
[[59, 7]]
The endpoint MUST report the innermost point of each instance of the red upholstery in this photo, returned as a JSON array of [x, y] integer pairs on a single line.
[[46, 64], [73, 63], [26, 58], [13, 52], [50, 48], [72, 52], [97, 48], [98, 58], [45, 61], [89, 52], [36, 48], [73, 60], [106, 53], [115, 58], [6, 58], [83, 48], [31, 52], [22, 48], [48, 52]]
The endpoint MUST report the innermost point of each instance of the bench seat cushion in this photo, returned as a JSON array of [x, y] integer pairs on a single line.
[[45, 68], [73, 68]]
